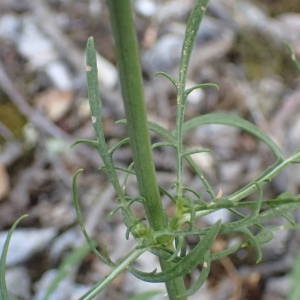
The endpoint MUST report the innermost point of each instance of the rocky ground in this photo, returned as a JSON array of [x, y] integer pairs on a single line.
[[43, 109]]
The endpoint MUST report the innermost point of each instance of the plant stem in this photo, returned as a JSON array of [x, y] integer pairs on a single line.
[[113, 274], [121, 15], [133, 97], [189, 40]]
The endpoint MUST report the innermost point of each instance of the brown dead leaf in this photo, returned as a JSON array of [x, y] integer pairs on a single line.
[[54, 103]]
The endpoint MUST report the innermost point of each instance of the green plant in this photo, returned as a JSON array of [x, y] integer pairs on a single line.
[[165, 236], [4, 295]]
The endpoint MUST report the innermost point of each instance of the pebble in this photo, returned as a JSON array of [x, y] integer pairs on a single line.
[[230, 171], [66, 240], [291, 24], [222, 215], [147, 263], [38, 50], [9, 25], [277, 246], [18, 282], [164, 55], [62, 292], [25, 243], [146, 8], [277, 288]]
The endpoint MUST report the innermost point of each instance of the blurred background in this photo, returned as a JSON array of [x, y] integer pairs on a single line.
[[241, 46]]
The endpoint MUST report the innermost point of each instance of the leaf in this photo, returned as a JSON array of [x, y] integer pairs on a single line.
[[201, 86], [3, 289], [192, 27], [93, 87], [167, 135], [81, 221], [169, 77], [264, 178], [203, 276], [194, 151], [233, 120], [162, 144], [163, 132], [225, 252], [128, 170], [187, 263], [122, 265], [264, 236], [92, 143], [201, 176], [252, 240], [95, 106], [118, 145]]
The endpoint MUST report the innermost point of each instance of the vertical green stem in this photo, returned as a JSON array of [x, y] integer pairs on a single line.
[[189, 40], [133, 97], [121, 15]]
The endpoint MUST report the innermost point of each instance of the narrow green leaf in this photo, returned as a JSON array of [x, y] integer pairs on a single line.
[[85, 141], [118, 268], [198, 196], [163, 132], [187, 263], [198, 171], [128, 170], [95, 106], [93, 87], [225, 252], [169, 77], [179, 245], [252, 241], [201, 86], [233, 120], [81, 221], [168, 136], [264, 178], [264, 236], [201, 279], [290, 218], [4, 295], [225, 203], [161, 144], [194, 151], [192, 27], [119, 145]]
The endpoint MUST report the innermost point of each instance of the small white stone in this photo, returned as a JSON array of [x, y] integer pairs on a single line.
[[25, 243], [59, 75], [9, 25], [146, 8]]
